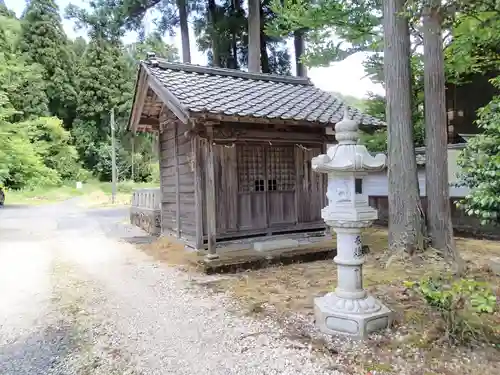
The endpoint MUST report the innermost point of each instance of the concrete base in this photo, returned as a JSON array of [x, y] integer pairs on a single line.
[[353, 318], [209, 257], [495, 265], [275, 244]]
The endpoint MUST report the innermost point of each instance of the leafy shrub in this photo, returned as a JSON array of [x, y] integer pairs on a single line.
[[52, 143], [460, 303], [155, 173], [375, 142], [20, 163], [480, 165]]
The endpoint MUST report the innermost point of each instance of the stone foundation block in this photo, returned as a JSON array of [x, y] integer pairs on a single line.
[[355, 319]]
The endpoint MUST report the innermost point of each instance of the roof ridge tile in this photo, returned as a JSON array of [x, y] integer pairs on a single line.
[[225, 72]]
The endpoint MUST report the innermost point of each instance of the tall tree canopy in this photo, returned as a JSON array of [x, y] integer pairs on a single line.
[[105, 81], [44, 41]]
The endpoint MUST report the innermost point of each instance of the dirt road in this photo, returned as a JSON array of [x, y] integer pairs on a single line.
[[78, 299]]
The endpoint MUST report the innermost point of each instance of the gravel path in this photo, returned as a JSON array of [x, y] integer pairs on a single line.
[[76, 300]]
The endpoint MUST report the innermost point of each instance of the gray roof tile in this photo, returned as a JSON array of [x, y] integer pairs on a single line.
[[236, 93]]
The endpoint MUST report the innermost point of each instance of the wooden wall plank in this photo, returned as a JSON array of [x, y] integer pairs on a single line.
[[226, 186], [310, 185], [186, 179], [161, 178], [210, 198], [177, 182], [198, 194], [167, 176]]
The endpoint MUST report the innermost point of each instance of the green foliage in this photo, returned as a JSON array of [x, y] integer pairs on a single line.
[[229, 31], [20, 163], [375, 106], [47, 81], [25, 87], [376, 141], [9, 35], [95, 193], [153, 43], [6, 12], [100, 19], [337, 29], [21, 82], [52, 143], [352, 101], [22, 97], [479, 165], [474, 48], [105, 81], [460, 303], [79, 47], [155, 173]]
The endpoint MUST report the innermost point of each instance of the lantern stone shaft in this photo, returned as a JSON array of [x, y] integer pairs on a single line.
[[349, 310]]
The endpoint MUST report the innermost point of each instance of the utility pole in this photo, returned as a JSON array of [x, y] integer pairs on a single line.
[[113, 157]]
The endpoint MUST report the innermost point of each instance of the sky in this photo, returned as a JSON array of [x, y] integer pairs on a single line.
[[345, 77]]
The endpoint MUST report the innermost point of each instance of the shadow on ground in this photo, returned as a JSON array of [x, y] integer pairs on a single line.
[[14, 206], [38, 353], [140, 240]]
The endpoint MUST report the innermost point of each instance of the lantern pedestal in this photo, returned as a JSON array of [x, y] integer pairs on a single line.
[[354, 318], [349, 310]]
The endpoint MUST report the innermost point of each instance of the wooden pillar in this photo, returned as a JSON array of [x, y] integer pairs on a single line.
[[177, 180], [210, 196], [160, 162], [198, 194]]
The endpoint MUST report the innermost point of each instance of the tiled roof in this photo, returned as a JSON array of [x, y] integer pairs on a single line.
[[420, 151], [236, 93], [419, 157]]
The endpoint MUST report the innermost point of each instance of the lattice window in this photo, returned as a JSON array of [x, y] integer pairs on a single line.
[[259, 185], [251, 168], [281, 168]]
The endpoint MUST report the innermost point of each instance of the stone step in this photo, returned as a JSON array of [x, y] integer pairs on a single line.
[[275, 244]]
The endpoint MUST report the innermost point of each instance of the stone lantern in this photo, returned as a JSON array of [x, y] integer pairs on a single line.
[[349, 310]]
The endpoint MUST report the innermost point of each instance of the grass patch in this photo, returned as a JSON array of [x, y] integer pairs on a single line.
[[42, 195], [174, 253], [93, 194], [415, 343]]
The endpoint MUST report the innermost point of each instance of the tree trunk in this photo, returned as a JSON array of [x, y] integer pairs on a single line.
[[298, 41], [233, 58], [436, 153], [212, 17], [264, 56], [183, 16], [406, 222], [254, 36]]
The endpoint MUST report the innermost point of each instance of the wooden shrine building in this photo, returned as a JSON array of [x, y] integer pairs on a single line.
[[236, 149], [464, 100]]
